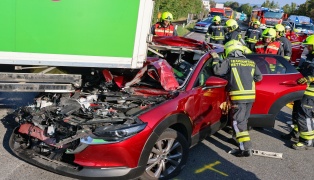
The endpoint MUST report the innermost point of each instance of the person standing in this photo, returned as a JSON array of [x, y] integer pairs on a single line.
[[233, 32], [286, 44], [269, 45], [164, 28], [305, 110], [241, 74], [216, 32], [253, 34]]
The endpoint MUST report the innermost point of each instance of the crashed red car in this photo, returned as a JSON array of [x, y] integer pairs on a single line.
[[141, 123]]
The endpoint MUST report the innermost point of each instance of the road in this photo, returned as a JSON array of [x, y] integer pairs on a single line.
[[208, 160]]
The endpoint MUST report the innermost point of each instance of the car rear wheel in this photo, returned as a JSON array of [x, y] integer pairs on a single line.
[[167, 157]]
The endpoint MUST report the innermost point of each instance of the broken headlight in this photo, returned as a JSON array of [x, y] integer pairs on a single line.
[[113, 133]]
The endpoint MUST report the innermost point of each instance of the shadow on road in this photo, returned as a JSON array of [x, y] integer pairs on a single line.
[[205, 163]]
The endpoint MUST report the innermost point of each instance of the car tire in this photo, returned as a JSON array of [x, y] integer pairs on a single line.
[[168, 156]]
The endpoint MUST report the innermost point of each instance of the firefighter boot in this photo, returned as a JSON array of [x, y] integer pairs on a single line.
[[302, 146]]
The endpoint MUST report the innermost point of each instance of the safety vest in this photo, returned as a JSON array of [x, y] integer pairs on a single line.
[[164, 31], [272, 47]]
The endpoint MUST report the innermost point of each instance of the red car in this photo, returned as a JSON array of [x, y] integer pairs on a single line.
[[141, 123]]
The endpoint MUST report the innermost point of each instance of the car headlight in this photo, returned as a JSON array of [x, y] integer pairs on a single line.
[[113, 133]]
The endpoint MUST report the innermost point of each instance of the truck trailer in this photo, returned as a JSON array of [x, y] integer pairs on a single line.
[[75, 35]]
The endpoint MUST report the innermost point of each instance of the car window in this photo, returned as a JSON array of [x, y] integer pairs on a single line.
[[269, 65], [205, 73]]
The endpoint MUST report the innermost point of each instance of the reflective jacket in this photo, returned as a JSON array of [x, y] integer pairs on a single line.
[[272, 48], [236, 35], [159, 30], [216, 32], [241, 73], [287, 47], [253, 35]]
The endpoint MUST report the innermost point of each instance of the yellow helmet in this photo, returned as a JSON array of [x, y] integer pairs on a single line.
[[166, 16], [256, 22], [280, 28], [309, 40], [269, 32], [231, 23], [232, 46], [216, 19]]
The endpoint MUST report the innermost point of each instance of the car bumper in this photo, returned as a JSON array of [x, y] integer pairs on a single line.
[[199, 29], [75, 171]]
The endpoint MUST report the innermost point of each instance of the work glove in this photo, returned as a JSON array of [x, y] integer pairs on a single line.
[[225, 107], [214, 54], [305, 80]]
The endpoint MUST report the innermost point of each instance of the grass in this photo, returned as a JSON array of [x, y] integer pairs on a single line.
[[184, 30]]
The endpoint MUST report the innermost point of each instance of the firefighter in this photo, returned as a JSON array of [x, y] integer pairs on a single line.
[[305, 110], [253, 34], [165, 27], [216, 32], [233, 32], [241, 74], [286, 44], [269, 45]]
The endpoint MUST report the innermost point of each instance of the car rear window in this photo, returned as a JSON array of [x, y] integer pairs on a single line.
[[272, 64]]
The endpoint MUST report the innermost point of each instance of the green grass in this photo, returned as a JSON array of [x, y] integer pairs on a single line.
[[184, 30]]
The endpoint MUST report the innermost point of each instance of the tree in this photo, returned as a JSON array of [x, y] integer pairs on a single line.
[[235, 5], [246, 8]]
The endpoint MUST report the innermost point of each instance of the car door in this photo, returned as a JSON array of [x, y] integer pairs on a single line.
[[205, 101], [279, 82]]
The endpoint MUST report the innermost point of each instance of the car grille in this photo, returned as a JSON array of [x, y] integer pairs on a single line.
[[271, 22]]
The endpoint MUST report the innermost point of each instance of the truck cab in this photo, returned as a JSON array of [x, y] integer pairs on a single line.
[[268, 17]]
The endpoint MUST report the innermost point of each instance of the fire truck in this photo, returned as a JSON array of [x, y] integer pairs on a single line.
[[268, 17], [229, 13]]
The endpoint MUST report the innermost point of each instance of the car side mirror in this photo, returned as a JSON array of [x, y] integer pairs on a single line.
[[215, 82]]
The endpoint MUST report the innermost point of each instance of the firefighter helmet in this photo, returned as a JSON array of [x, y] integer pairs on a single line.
[[280, 28], [232, 46], [269, 32], [257, 23], [309, 41], [216, 19], [166, 16], [232, 24]]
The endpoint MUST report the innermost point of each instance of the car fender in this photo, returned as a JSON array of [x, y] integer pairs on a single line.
[[180, 122]]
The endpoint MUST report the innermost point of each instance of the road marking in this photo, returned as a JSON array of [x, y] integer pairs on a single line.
[[210, 167]]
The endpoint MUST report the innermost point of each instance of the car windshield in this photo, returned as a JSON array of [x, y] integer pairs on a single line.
[[216, 14], [305, 26], [228, 13], [207, 20], [273, 15]]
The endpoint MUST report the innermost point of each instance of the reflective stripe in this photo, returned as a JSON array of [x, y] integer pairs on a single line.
[[243, 136], [247, 97], [307, 135], [287, 57], [309, 91], [273, 47], [160, 30], [259, 46], [253, 83], [295, 127], [242, 92], [237, 78]]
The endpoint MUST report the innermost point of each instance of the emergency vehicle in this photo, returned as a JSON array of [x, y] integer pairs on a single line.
[[229, 13], [268, 17]]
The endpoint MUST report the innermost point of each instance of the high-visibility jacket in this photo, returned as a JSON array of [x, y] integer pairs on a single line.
[[287, 47], [236, 35], [160, 30], [216, 32], [241, 73], [272, 48], [253, 35]]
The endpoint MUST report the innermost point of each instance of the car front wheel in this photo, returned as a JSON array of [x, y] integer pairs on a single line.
[[168, 156]]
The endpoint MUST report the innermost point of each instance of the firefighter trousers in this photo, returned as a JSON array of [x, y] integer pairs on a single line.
[[295, 130], [250, 46], [305, 121], [240, 114]]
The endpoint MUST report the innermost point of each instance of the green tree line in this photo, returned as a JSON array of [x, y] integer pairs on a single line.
[[181, 8], [178, 8]]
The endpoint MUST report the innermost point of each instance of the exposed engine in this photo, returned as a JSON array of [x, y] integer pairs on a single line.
[[55, 123]]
